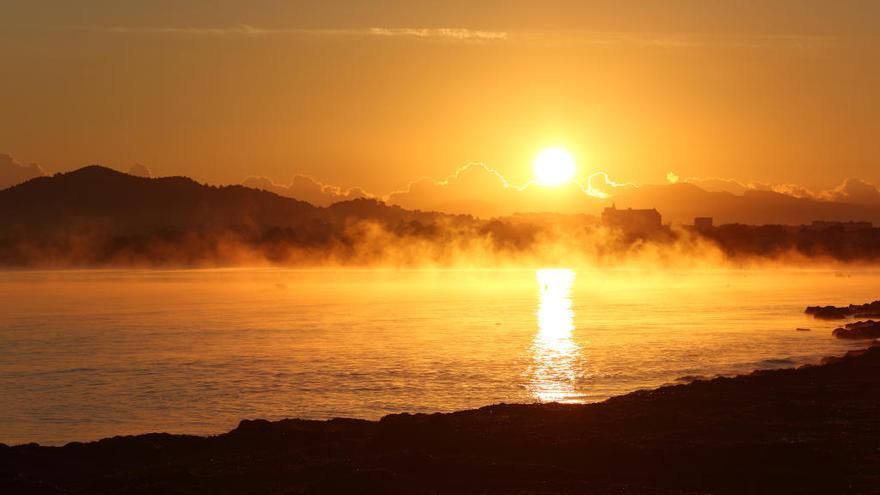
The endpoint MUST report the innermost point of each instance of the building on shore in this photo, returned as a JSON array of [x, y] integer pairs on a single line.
[[632, 221]]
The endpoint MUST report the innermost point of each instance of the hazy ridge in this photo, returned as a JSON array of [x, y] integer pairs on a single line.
[[97, 216]]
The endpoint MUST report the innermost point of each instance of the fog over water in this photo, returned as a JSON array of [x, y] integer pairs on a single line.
[[91, 354]]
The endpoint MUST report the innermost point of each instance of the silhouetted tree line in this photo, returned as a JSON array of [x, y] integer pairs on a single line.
[[98, 217], [368, 240], [836, 242]]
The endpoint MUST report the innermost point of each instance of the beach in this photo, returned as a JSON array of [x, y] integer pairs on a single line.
[[813, 429]]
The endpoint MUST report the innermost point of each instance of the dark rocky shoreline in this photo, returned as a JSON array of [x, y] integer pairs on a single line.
[[815, 429], [868, 310]]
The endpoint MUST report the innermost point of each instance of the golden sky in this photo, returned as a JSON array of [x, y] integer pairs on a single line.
[[377, 94]]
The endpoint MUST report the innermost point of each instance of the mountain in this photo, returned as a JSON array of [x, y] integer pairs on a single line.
[[682, 202], [102, 200], [96, 216], [99, 200]]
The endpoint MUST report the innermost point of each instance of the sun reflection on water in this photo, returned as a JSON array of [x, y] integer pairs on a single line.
[[555, 354]]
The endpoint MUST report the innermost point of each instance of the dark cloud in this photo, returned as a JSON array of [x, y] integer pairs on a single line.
[[715, 184], [854, 191], [140, 170], [306, 188], [473, 189], [13, 173], [482, 191]]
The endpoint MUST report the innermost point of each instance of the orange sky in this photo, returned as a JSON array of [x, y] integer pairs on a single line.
[[377, 94]]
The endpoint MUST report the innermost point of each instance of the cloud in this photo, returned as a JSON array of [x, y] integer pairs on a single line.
[[13, 173], [479, 190], [140, 170], [683, 40], [644, 39], [795, 190], [439, 34], [717, 184], [241, 30], [474, 189], [732, 186], [853, 191], [305, 188], [599, 185], [650, 40]]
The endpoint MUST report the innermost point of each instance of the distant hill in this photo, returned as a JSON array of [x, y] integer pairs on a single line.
[[99, 199], [103, 201], [682, 202], [96, 216]]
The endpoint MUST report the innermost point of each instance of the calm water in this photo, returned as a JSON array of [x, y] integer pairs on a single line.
[[85, 355]]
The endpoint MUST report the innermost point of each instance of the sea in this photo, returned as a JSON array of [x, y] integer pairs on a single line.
[[91, 354]]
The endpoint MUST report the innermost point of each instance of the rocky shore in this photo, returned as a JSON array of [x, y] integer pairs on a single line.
[[868, 310], [858, 330], [815, 429]]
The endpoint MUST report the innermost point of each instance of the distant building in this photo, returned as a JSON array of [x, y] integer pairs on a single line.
[[632, 221], [846, 226], [703, 223]]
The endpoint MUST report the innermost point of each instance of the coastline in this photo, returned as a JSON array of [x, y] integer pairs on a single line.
[[811, 429]]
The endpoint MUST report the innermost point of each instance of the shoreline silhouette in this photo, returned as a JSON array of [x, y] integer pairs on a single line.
[[98, 217], [811, 429]]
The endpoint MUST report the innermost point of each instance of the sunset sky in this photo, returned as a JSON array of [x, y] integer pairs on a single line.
[[377, 94]]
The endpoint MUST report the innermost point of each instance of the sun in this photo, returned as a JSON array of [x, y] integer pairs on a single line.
[[554, 167]]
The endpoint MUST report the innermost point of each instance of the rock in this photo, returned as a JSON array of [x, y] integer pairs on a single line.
[[859, 330], [827, 312], [867, 315], [692, 378], [868, 310]]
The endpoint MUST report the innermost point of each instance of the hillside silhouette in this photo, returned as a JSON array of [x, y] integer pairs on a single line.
[[103, 200], [106, 201], [683, 202], [96, 216]]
